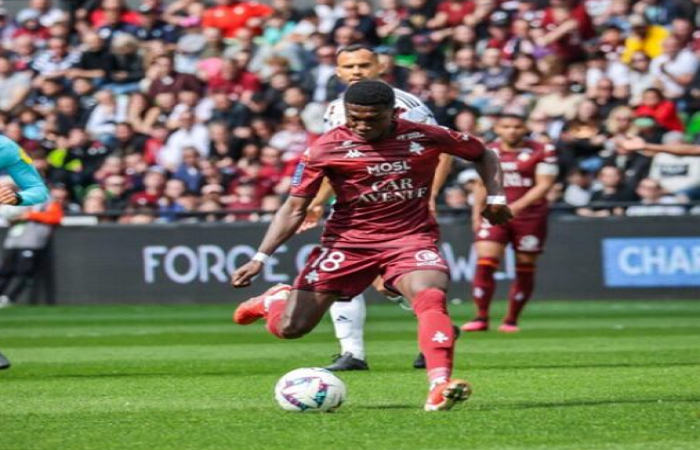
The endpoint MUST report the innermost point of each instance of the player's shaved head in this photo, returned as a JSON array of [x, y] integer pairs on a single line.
[[356, 63], [370, 93]]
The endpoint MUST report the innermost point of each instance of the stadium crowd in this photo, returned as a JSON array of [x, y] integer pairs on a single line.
[[188, 106]]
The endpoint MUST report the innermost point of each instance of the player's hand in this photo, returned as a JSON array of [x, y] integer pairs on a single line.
[[497, 214], [244, 274], [313, 218], [7, 195]]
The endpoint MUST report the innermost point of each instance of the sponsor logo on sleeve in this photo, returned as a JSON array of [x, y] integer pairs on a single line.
[[427, 258], [298, 174]]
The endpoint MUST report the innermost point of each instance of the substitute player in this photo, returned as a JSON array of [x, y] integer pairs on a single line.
[[32, 190], [529, 172], [382, 169]]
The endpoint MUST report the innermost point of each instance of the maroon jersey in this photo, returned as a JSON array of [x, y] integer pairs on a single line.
[[520, 169], [382, 187]]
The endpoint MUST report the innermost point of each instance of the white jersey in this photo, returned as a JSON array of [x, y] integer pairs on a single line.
[[411, 108]]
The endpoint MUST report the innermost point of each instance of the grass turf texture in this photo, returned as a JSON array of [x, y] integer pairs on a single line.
[[588, 375]]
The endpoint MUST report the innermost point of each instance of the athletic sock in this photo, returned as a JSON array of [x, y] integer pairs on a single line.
[[274, 315], [520, 291], [349, 322], [484, 286], [435, 334]]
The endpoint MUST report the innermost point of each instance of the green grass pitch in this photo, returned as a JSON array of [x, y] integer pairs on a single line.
[[583, 375]]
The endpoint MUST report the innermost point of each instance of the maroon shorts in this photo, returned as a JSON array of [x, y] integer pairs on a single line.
[[527, 234], [347, 272]]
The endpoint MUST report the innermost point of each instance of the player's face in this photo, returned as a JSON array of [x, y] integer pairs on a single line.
[[510, 130], [357, 66], [368, 122]]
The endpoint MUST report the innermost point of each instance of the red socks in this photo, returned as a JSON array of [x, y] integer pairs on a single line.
[[520, 291], [435, 333], [274, 315], [484, 285]]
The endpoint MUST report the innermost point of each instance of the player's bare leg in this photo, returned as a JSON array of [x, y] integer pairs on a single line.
[[489, 254], [520, 290], [293, 317], [426, 291]]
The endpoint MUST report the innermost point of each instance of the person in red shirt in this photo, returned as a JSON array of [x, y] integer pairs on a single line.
[[529, 171], [230, 15], [382, 169], [234, 80], [655, 105]]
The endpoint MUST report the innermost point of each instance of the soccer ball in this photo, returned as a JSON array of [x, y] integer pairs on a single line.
[[310, 390]]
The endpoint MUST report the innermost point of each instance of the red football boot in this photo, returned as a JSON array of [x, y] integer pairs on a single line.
[[256, 308], [445, 395]]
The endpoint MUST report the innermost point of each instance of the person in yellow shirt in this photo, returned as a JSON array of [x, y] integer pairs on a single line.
[[644, 37]]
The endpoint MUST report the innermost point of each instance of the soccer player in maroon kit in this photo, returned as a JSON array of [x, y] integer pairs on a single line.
[[382, 169], [529, 172]]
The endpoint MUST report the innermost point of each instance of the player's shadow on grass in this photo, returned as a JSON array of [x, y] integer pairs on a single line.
[[577, 403]]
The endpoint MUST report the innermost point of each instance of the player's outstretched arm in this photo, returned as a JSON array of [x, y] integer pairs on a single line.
[[489, 168], [285, 223], [314, 212], [638, 144]]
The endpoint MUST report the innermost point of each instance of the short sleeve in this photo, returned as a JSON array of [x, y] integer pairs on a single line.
[[307, 177], [458, 144], [420, 114]]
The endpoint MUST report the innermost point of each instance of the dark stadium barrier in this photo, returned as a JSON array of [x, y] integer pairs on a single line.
[[616, 258]]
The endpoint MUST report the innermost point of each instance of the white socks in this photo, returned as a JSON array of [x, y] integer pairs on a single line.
[[349, 322]]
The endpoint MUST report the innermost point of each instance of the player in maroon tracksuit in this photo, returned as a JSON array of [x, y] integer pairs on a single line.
[[529, 172], [382, 170]]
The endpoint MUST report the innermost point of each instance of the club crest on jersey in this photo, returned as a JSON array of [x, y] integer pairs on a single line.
[[410, 136], [524, 156], [416, 148], [427, 258], [389, 168]]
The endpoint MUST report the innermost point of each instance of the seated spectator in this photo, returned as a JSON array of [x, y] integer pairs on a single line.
[[188, 134], [677, 175], [640, 77], [94, 59], [664, 112], [582, 139], [153, 185], [654, 202], [234, 80], [152, 27], [117, 193], [363, 24], [124, 65], [115, 19], [292, 138], [444, 104], [103, 120], [188, 171], [611, 188], [169, 205], [643, 37], [229, 16], [28, 25], [560, 101], [164, 79], [674, 69], [579, 188], [14, 86], [55, 62]]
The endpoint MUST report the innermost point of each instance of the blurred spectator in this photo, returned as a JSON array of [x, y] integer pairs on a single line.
[[124, 65], [230, 15], [164, 78], [611, 188], [662, 110], [654, 202], [444, 104], [674, 69], [643, 37], [14, 86], [188, 134]]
